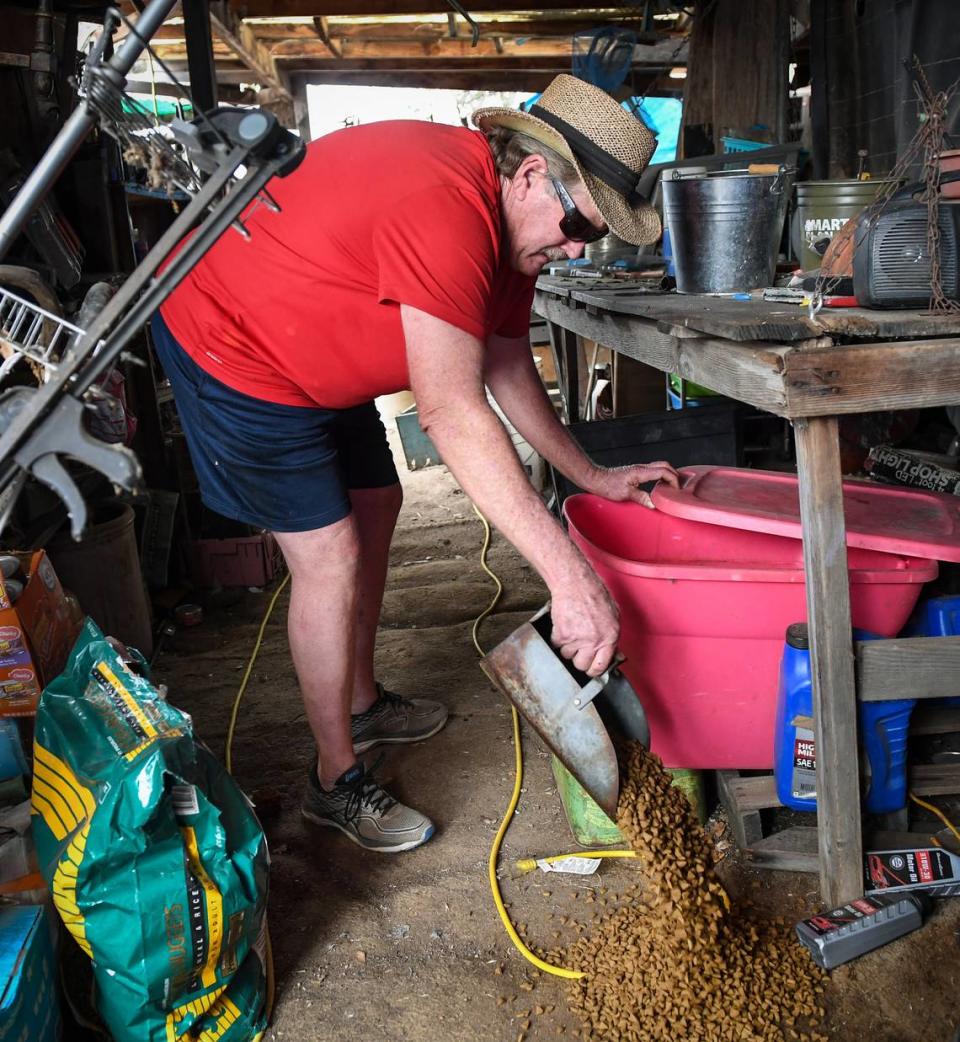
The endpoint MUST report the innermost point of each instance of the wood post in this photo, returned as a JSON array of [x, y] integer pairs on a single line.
[[831, 658]]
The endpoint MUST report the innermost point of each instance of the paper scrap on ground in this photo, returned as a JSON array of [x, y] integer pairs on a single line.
[[579, 866]]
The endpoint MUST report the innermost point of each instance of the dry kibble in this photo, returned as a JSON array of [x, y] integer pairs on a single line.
[[679, 963]]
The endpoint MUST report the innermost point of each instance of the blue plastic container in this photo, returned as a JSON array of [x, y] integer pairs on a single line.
[[12, 761], [884, 728], [936, 617], [670, 268]]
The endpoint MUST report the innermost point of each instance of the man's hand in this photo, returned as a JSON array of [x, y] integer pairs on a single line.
[[586, 626], [623, 483]]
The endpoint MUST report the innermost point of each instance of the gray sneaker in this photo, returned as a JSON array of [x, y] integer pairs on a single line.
[[393, 719], [365, 812]]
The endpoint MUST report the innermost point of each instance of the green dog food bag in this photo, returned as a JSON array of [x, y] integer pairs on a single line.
[[153, 855]]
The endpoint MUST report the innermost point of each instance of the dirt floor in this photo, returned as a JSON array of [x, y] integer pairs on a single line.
[[409, 947]]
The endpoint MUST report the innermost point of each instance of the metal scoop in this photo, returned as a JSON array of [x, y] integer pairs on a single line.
[[569, 710]]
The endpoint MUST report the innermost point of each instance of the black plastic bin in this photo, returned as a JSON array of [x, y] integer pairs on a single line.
[[684, 437]]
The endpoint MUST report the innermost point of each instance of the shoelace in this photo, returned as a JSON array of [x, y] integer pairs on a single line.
[[393, 701], [365, 791], [386, 700]]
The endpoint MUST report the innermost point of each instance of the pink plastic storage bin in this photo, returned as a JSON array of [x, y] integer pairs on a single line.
[[703, 612], [246, 561]]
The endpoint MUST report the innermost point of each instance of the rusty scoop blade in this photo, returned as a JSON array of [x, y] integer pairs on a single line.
[[566, 708]]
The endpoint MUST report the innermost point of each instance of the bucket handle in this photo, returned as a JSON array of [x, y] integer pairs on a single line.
[[778, 182]]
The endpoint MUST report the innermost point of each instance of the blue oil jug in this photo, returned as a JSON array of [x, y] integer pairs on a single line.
[[936, 617], [884, 728]]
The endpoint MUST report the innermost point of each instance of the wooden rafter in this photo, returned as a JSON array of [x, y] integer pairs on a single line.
[[435, 26], [322, 30], [242, 40], [332, 8]]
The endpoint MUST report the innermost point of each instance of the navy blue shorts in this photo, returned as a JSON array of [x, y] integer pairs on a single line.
[[286, 468]]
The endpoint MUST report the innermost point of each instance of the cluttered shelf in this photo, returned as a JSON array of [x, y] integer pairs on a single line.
[[770, 355], [745, 316]]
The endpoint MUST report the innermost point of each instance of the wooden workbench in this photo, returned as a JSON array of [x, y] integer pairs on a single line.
[[810, 371]]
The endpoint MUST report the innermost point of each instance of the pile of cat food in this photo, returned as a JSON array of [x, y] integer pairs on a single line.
[[679, 963]]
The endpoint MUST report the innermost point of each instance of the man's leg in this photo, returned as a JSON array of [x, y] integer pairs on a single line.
[[375, 511], [381, 716], [324, 569]]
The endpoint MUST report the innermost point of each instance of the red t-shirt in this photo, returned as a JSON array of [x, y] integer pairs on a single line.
[[306, 312]]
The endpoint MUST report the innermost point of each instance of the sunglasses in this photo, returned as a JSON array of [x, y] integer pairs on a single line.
[[573, 224]]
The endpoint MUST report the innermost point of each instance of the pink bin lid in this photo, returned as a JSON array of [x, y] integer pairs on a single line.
[[879, 517]]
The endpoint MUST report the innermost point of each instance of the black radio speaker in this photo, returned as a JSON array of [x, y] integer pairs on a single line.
[[891, 260]]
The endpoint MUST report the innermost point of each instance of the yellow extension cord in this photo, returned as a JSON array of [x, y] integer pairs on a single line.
[[526, 864], [271, 983], [522, 865]]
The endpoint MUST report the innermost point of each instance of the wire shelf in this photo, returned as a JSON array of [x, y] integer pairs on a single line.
[[32, 333]]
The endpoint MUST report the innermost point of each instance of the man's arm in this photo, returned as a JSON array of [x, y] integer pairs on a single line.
[[446, 375], [512, 377]]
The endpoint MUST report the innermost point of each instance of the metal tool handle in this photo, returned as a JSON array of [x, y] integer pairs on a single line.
[[589, 686]]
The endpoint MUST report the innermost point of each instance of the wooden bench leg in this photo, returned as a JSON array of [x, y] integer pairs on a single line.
[[744, 823], [831, 659]]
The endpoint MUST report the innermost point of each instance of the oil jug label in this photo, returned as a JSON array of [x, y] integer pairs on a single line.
[[804, 764], [903, 869]]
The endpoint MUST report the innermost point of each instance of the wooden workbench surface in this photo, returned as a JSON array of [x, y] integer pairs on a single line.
[[774, 356], [744, 320]]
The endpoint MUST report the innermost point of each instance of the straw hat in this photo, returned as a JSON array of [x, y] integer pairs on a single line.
[[609, 147]]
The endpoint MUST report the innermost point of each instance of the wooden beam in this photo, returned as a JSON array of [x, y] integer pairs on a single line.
[[831, 654], [436, 27], [358, 50], [511, 63], [748, 372], [475, 77], [873, 377], [242, 40], [332, 8], [911, 667], [322, 30]]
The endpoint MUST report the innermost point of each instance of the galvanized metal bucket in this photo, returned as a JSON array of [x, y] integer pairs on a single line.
[[725, 228]]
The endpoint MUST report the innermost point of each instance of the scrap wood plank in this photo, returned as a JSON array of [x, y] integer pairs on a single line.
[[855, 378], [736, 320], [748, 372], [908, 667], [935, 779], [754, 319], [867, 324], [795, 849]]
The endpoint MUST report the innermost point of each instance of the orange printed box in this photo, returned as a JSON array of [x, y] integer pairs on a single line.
[[36, 635]]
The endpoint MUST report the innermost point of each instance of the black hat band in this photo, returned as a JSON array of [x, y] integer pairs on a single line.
[[594, 159]]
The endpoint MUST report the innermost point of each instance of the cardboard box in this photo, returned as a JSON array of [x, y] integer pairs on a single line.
[[914, 469], [29, 1003], [36, 635]]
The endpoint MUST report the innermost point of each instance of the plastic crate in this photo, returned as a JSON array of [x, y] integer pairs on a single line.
[[741, 144], [680, 436], [247, 561]]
